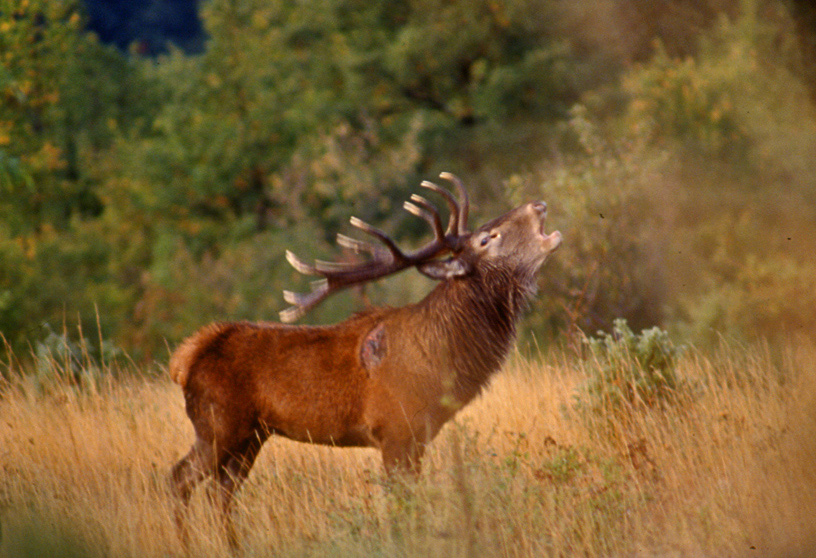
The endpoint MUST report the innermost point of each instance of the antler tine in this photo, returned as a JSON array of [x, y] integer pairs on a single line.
[[424, 210], [450, 200], [291, 314], [302, 303], [463, 196], [300, 265], [384, 238], [324, 267], [358, 246]]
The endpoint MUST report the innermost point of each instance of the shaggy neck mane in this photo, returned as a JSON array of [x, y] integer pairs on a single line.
[[473, 321]]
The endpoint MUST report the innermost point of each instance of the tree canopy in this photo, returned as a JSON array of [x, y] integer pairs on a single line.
[[145, 195]]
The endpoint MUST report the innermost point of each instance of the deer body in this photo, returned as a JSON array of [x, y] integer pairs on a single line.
[[387, 378]]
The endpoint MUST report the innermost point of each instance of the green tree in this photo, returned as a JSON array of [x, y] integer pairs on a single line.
[[63, 98]]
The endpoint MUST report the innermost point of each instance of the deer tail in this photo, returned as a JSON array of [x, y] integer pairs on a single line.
[[187, 353]]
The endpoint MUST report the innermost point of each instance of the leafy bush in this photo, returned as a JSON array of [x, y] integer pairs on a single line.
[[739, 100], [629, 370], [691, 207], [751, 290], [688, 101], [61, 361]]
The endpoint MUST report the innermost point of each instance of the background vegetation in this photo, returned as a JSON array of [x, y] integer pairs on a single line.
[[145, 196], [141, 197]]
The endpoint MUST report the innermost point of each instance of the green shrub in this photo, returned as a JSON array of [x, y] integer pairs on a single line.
[[740, 99], [689, 101], [59, 359], [629, 370], [684, 195], [768, 298]]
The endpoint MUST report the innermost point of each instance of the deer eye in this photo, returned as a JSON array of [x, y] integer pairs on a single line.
[[487, 238]]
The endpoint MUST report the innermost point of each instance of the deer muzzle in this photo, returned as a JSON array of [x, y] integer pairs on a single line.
[[551, 241]]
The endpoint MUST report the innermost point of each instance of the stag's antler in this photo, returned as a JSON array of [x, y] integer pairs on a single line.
[[386, 259]]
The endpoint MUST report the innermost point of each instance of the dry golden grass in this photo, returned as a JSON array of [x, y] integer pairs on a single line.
[[729, 471]]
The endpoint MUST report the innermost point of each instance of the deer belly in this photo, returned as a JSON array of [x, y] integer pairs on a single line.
[[357, 436], [329, 424]]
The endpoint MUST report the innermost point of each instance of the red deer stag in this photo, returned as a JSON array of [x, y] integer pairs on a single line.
[[387, 378]]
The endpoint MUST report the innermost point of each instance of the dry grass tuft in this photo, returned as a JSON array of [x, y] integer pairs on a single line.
[[730, 469]]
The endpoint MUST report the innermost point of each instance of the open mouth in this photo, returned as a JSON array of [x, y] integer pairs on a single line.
[[553, 238], [542, 226], [541, 209]]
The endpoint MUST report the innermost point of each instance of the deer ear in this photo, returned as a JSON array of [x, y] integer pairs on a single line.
[[444, 269]]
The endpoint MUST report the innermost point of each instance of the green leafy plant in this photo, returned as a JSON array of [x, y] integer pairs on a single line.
[[62, 360], [631, 370]]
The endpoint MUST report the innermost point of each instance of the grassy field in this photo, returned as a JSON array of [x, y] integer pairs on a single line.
[[729, 469]]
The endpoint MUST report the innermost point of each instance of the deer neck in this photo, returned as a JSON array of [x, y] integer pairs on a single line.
[[470, 323]]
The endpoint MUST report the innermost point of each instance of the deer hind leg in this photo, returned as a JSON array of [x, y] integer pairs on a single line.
[[191, 470], [194, 467], [231, 475], [235, 469], [229, 467]]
